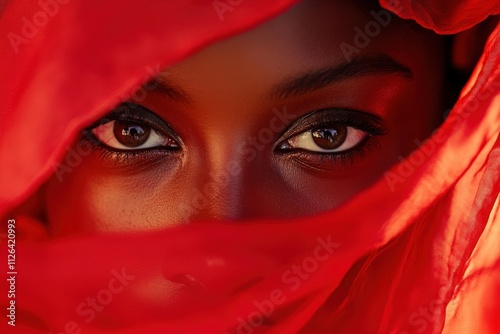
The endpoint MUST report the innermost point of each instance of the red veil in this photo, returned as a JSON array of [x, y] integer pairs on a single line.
[[424, 256]]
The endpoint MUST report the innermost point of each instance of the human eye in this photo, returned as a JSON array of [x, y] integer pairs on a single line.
[[131, 130], [329, 134], [328, 139]]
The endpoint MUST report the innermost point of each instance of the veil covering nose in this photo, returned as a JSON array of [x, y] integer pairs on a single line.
[[418, 252]]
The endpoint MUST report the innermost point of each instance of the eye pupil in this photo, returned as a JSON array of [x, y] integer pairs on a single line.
[[131, 134], [330, 138]]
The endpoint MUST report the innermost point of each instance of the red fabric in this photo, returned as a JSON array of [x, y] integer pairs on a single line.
[[445, 17], [424, 255]]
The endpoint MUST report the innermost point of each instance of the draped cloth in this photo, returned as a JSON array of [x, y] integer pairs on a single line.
[[417, 252]]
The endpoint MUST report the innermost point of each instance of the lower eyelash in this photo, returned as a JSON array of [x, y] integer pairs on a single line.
[[139, 159], [341, 159]]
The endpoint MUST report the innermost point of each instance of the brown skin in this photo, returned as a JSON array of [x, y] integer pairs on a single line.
[[228, 88]]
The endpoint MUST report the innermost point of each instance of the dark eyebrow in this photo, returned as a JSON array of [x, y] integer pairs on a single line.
[[162, 85], [357, 67]]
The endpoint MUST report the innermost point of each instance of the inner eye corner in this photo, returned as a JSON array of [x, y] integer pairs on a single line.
[[279, 149]]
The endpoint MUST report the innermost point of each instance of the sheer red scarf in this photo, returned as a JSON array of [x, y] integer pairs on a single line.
[[424, 255]]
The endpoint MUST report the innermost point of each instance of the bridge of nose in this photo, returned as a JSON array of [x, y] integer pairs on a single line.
[[231, 174]]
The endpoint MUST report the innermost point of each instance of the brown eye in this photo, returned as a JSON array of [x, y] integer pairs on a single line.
[[330, 138], [131, 134]]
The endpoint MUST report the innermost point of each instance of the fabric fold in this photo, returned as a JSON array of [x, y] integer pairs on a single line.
[[423, 258]]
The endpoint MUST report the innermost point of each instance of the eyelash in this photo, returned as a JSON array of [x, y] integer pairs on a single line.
[[315, 120], [342, 159], [328, 117], [139, 159], [123, 158]]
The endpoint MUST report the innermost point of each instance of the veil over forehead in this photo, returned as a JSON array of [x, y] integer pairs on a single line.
[[425, 236]]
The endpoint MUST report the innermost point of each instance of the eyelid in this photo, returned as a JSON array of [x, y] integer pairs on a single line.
[[136, 112], [352, 135], [353, 118]]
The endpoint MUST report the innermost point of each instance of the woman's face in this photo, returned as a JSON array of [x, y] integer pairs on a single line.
[[289, 119]]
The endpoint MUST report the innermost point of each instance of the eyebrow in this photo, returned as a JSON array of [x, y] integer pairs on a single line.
[[381, 64], [162, 85]]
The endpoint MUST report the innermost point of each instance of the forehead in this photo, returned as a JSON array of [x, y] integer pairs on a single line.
[[314, 33], [240, 73]]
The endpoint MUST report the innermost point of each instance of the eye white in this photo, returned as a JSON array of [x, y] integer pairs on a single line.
[[305, 141], [105, 134]]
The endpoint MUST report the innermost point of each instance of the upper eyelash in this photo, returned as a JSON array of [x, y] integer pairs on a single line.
[[325, 117], [358, 123], [122, 158], [140, 115], [357, 119]]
